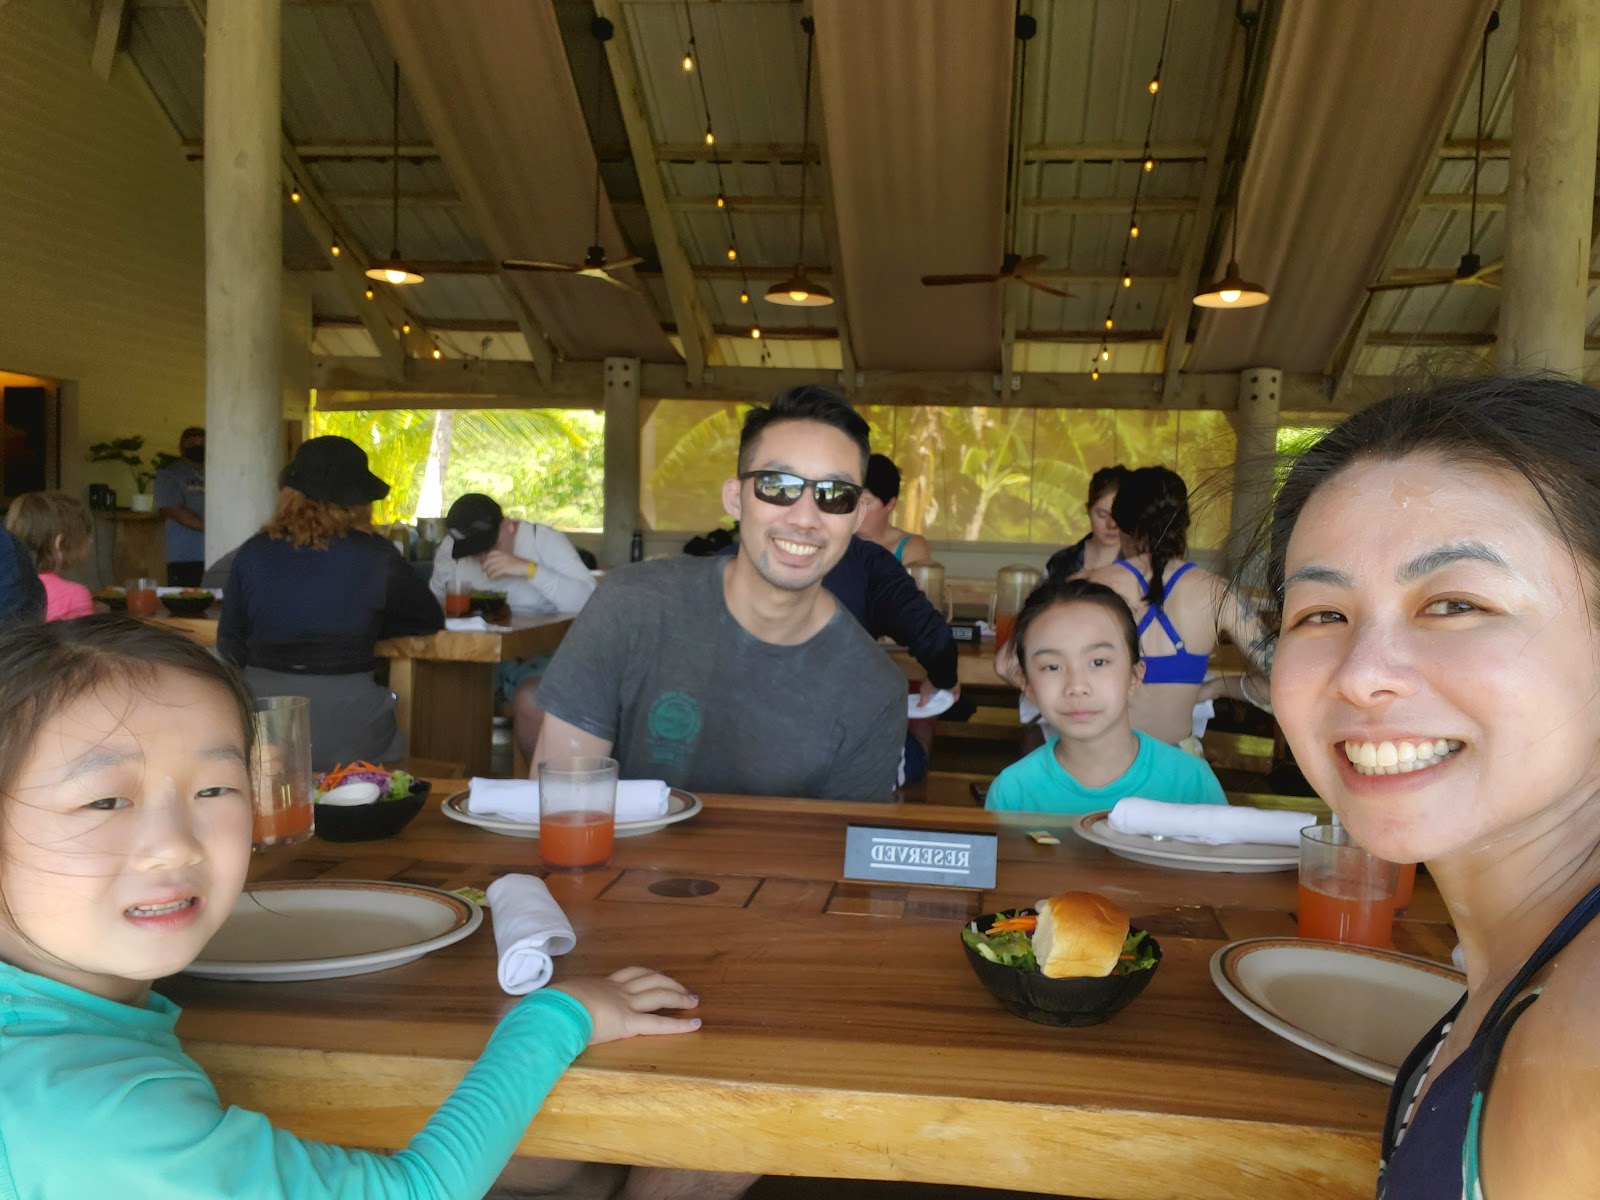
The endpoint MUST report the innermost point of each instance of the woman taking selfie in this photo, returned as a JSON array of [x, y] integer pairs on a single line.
[[1437, 557]]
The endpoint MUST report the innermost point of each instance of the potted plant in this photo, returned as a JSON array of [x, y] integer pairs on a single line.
[[127, 450]]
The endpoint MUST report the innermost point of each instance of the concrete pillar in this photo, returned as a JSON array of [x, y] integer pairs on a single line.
[[244, 269], [1550, 201], [1255, 426], [622, 459]]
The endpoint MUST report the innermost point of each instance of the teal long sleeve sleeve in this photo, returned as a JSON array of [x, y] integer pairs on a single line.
[[98, 1098]]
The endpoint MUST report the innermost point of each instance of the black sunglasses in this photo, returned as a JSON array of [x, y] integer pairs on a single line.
[[833, 496]]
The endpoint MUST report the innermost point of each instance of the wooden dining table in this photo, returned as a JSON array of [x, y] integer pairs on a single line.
[[844, 1034], [443, 682]]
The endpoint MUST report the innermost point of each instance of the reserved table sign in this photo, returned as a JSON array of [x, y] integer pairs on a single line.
[[941, 857]]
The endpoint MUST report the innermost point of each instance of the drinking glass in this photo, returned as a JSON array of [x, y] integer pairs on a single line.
[[457, 599], [1011, 587], [577, 812], [1346, 893], [142, 600], [280, 773]]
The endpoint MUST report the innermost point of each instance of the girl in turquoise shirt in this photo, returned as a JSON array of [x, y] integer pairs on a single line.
[[124, 838], [1078, 649]]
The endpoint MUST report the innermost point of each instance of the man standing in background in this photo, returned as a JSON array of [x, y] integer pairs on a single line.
[[181, 499]]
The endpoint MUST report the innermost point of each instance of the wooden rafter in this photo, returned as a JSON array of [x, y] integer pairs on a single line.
[[699, 349], [1174, 342], [109, 22]]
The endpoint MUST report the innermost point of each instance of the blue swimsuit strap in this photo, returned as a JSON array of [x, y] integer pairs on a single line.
[[1155, 612]]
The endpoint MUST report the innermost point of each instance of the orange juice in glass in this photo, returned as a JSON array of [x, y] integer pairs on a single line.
[[457, 600], [280, 774], [142, 600], [1346, 894], [577, 812]]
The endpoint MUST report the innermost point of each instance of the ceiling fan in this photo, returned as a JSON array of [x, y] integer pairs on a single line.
[[1014, 269], [1471, 269], [595, 264]]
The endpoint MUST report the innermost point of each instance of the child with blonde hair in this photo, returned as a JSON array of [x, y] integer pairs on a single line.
[[57, 531]]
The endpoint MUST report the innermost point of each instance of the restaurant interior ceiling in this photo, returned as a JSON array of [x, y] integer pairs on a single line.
[[1342, 132]]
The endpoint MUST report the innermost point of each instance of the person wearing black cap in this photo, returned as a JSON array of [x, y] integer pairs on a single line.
[[878, 504], [536, 566], [311, 595]]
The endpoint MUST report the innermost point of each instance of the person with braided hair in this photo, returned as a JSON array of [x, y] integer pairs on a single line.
[[1181, 607]]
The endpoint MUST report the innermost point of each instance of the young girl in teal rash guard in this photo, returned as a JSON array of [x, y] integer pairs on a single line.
[[124, 838], [1079, 653]]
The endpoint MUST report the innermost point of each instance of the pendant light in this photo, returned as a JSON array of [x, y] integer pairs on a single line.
[[392, 270], [797, 291], [1233, 290]]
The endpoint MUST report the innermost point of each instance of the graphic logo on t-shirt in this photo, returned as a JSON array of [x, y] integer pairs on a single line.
[[673, 727]]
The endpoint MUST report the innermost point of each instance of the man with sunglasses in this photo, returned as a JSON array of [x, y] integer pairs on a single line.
[[743, 674]]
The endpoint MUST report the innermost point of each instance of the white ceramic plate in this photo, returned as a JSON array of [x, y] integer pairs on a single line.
[[322, 930], [1359, 1007], [1185, 856], [681, 805]]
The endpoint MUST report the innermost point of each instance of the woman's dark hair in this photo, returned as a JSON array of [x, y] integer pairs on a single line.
[[1106, 479], [44, 668], [1543, 428], [1152, 509], [883, 478], [807, 403], [1072, 591]]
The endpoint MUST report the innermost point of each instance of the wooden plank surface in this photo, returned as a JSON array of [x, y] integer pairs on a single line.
[[523, 635], [844, 1033]]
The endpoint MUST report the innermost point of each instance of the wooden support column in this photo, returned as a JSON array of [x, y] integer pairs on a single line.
[[244, 269], [1550, 201], [1255, 427], [622, 459]]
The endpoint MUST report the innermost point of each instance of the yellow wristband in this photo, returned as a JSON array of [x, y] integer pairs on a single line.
[[533, 568]]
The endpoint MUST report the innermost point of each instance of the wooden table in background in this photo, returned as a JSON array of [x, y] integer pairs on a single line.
[[844, 1032], [975, 663], [444, 682]]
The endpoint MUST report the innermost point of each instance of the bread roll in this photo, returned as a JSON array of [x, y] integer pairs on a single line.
[[1079, 934]]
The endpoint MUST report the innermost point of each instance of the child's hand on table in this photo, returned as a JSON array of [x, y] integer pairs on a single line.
[[624, 1003]]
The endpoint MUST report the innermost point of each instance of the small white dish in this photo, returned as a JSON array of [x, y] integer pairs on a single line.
[[937, 703], [681, 805], [280, 932], [349, 795], [1236, 857], [1354, 1005]]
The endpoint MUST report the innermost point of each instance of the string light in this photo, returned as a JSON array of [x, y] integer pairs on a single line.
[[1147, 165], [755, 332], [437, 353], [294, 195], [733, 254], [711, 138], [688, 61], [334, 250], [744, 297], [406, 328], [722, 201], [723, 204], [369, 293]]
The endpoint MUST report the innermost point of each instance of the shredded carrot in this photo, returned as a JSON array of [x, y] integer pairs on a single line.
[[343, 771], [1014, 925]]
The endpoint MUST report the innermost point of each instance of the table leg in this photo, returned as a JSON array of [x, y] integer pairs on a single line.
[[403, 683], [451, 713]]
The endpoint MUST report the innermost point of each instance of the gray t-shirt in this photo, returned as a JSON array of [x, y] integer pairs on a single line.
[[657, 664]]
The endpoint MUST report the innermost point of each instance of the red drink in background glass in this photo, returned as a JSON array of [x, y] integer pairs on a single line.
[[457, 604], [574, 840], [1004, 625], [142, 602]]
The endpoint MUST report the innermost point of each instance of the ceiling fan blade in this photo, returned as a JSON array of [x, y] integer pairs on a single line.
[[631, 261], [1040, 286], [1404, 285], [530, 264], [1027, 264], [948, 280], [623, 284]]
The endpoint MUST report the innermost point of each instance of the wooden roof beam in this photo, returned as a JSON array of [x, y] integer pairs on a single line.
[[1115, 152], [336, 151], [699, 349], [110, 21]]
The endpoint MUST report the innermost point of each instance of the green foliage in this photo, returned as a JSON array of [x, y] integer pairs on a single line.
[[126, 450], [544, 465]]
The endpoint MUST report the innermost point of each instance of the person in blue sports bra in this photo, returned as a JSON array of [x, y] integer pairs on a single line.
[[1180, 609], [1436, 562], [877, 504]]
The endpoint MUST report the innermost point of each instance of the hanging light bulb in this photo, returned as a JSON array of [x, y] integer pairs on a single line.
[[744, 297], [369, 293], [688, 61], [1108, 322], [1149, 165], [334, 250], [1127, 280], [437, 353], [711, 138], [755, 332], [733, 254], [1155, 85], [1105, 354], [406, 328], [1133, 230], [722, 201], [294, 195], [1095, 374]]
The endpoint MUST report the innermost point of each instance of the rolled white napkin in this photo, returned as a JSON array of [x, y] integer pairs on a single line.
[[472, 624], [518, 799], [529, 930], [1211, 824]]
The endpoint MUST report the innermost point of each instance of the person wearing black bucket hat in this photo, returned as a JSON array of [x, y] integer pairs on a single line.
[[311, 595], [534, 565]]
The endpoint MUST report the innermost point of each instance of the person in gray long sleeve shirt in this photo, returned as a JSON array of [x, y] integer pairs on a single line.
[[743, 674]]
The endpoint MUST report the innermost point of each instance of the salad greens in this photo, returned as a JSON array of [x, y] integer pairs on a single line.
[[392, 785], [1014, 948]]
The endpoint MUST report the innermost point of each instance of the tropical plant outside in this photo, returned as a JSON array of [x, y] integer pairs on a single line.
[[545, 465]]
